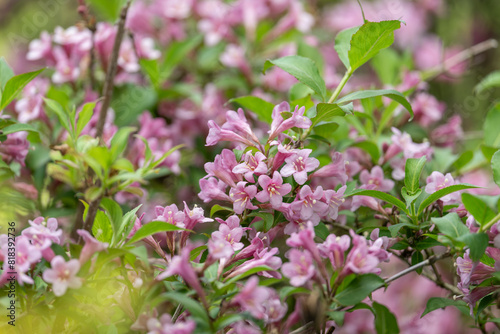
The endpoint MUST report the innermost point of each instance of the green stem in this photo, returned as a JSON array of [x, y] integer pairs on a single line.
[[490, 223], [341, 85]]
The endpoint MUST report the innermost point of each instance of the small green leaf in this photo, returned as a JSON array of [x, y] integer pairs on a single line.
[[226, 320], [477, 208], [410, 199], [177, 51], [394, 229], [321, 231], [102, 229], [60, 112], [491, 80], [195, 309], [5, 73], [303, 69], [110, 9], [416, 258], [441, 193], [216, 208], [119, 142], [370, 38], [463, 160], [477, 242], [435, 303], [413, 170], [491, 133], [451, 225], [369, 147], [390, 93], [343, 44], [383, 196], [325, 112], [326, 130], [260, 107], [114, 211], [84, 117], [151, 228], [359, 288], [385, 321], [15, 85], [495, 166], [127, 224]]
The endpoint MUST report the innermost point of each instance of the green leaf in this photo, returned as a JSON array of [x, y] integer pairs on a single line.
[[491, 133], [390, 93], [491, 80], [369, 147], [343, 44], [17, 128], [359, 288], [443, 192], [84, 117], [409, 199], [416, 258], [321, 231], [195, 309], [477, 242], [383, 196], [394, 229], [451, 225], [227, 320], [369, 40], [249, 272], [325, 112], [303, 69], [127, 224], [413, 170], [152, 69], [260, 107], [477, 208], [151, 228], [114, 211], [435, 303], [110, 9], [488, 151], [385, 321], [5, 73], [61, 114], [495, 166], [15, 85], [176, 53], [427, 243], [326, 130], [216, 208], [119, 141], [463, 160], [102, 229]]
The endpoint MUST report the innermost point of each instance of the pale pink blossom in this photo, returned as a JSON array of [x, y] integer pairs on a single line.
[[62, 275]]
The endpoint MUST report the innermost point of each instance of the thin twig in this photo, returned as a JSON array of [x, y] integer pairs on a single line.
[[459, 58], [431, 260], [306, 329], [112, 67]]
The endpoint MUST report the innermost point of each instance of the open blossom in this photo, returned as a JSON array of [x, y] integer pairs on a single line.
[[213, 189], [252, 165], [437, 181], [297, 120], [222, 168], [273, 190], [171, 215], [30, 106], [242, 197], [62, 275], [252, 297], [231, 231], [300, 269], [309, 203], [427, 108], [164, 325], [374, 180], [298, 165], [334, 248], [42, 233], [334, 200]]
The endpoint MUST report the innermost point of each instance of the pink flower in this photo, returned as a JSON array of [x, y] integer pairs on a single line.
[[165, 326], [15, 148], [220, 248], [231, 231], [62, 275], [42, 233], [334, 248], [375, 180], [337, 169], [427, 108], [212, 189], [472, 272], [309, 203], [30, 107], [437, 181], [181, 265], [252, 297], [280, 125], [449, 133], [172, 9], [66, 68], [223, 166], [299, 164], [252, 165], [273, 190], [91, 246], [360, 261], [40, 48], [242, 197], [264, 257], [171, 215], [334, 200], [300, 269]]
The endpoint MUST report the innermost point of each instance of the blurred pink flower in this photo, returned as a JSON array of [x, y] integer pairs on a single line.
[[62, 275], [300, 269]]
